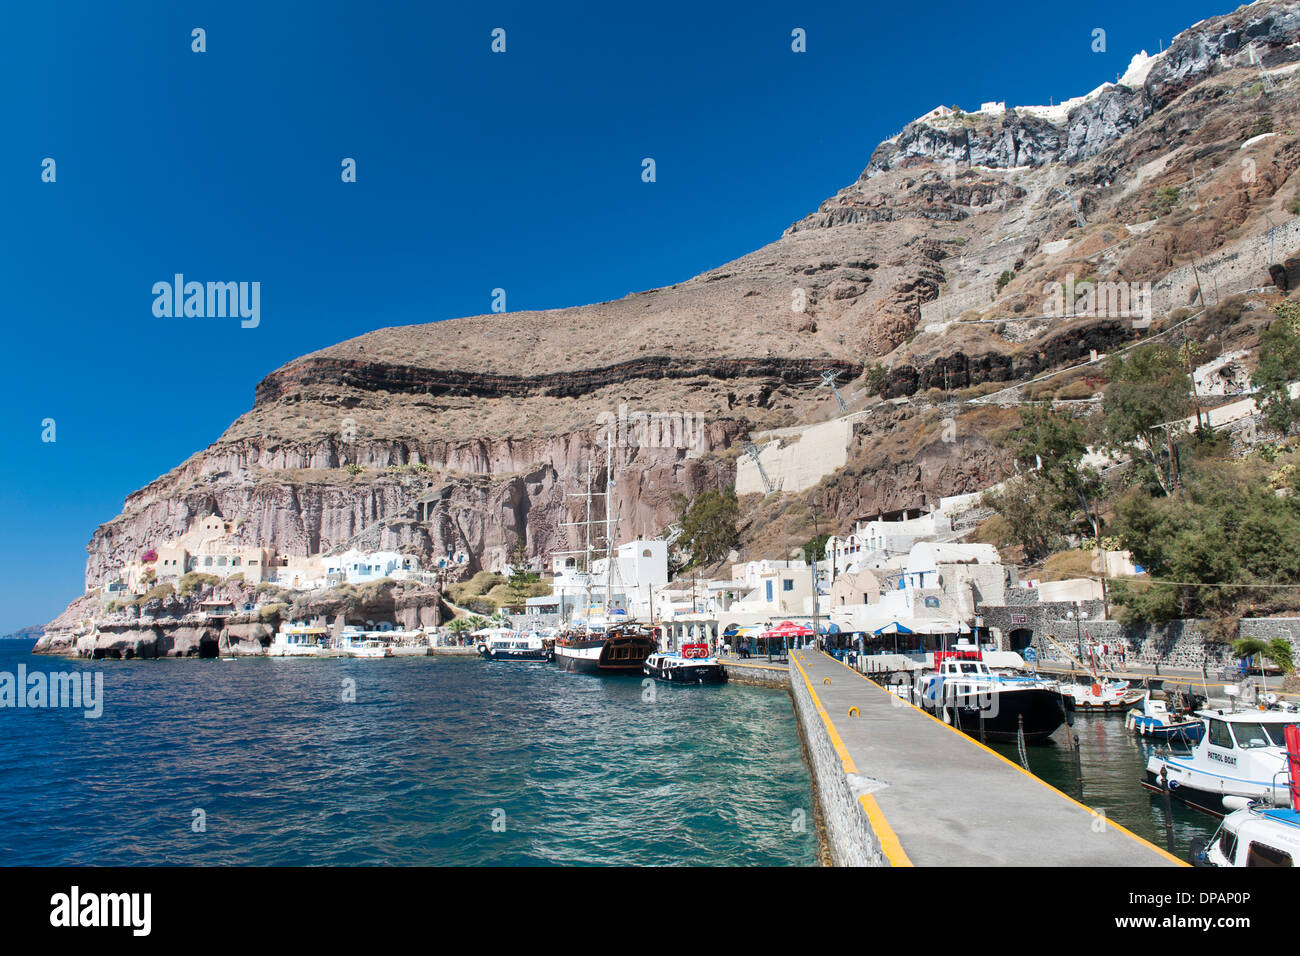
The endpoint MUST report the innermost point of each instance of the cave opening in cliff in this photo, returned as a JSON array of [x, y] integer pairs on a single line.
[[208, 647]]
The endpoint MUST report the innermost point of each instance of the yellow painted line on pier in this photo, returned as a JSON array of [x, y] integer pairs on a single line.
[[1011, 763], [889, 842], [761, 667]]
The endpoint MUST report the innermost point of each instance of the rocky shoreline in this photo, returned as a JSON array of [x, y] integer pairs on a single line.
[[179, 626]]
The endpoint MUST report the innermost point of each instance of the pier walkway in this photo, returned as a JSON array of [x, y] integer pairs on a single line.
[[933, 796]]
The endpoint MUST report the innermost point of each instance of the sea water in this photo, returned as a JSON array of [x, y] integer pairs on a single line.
[[409, 761]]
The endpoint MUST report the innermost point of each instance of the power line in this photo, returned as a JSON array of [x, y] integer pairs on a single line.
[[1198, 584]]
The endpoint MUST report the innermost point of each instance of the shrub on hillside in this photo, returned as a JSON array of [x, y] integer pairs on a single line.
[[193, 580]]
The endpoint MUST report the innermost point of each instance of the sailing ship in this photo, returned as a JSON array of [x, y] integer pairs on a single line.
[[606, 649], [605, 642]]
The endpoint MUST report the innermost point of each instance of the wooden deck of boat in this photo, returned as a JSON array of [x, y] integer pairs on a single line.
[[948, 799]]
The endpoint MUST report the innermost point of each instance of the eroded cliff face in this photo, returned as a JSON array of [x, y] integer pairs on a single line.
[[477, 498], [470, 432]]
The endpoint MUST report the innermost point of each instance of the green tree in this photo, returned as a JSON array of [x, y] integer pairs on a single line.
[[1206, 547], [1165, 199], [708, 525], [814, 548], [1149, 393], [1055, 444], [1031, 514], [1277, 650], [1279, 365], [521, 580]]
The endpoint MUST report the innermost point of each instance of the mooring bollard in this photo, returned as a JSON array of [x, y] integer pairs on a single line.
[[1078, 766], [854, 712]]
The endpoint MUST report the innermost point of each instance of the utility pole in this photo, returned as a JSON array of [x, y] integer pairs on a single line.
[[816, 535], [1187, 356], [1078, 216], [752, 451], [828, 378]]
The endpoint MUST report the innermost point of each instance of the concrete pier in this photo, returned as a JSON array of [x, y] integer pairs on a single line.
[[897, 787]]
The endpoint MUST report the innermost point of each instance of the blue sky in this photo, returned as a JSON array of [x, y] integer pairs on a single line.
[[475, 171]]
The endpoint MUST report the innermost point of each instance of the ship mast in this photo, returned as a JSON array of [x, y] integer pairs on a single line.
[[609, 525]]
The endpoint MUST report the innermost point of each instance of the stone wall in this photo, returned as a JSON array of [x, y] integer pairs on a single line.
[[848, 833], [756, 676], [1185, 644], [1241, 265], [1268, 628]]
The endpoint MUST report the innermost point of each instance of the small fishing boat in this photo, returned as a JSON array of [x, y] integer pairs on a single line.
[[1099, 694], [354, 642], [1241, 754], [1153, 717], [691, 665], [964, 692]]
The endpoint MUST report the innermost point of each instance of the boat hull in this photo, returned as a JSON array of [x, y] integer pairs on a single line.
[[688, 673], [1189, 731], [622, 655], [1043, 710], [531, 656]]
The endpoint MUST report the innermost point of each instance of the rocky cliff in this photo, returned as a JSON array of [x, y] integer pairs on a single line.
[[470, 431]]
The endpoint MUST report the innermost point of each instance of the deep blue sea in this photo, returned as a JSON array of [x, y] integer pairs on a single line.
[[437, 761]]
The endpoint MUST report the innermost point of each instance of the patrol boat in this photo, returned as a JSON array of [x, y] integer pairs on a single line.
[[1242, 754], [1255, 834]]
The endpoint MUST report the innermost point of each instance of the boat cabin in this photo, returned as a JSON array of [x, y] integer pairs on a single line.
[[1258, 836]]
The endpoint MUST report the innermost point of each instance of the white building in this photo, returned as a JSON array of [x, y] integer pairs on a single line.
[[637, 570], [779, 588], [887, 536], [360, 567]]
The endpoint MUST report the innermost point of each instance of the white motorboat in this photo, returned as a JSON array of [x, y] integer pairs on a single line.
[[1109, 696], [1252, 836], [354, 642], [1241, 754], [503, 644], [692, 665]]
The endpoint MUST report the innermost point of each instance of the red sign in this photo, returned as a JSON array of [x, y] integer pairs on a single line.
[[695, 650], [941, 656]]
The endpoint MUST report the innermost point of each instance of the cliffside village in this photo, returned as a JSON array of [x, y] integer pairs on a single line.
[[898, 584]]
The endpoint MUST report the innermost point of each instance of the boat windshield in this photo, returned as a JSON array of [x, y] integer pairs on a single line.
[[1251, 735]]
